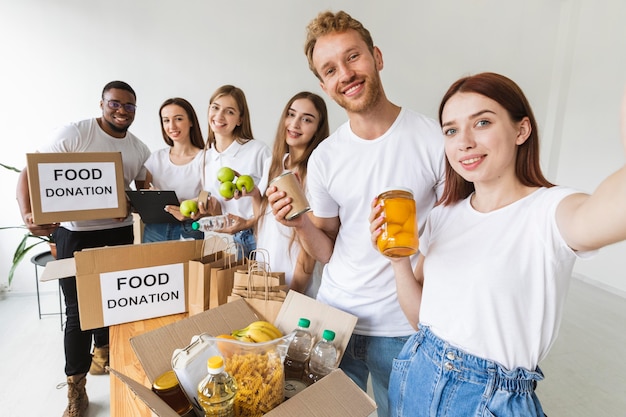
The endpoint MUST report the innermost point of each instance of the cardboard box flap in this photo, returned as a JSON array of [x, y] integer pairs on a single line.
[[58, 269], [146, 395], [322, 316], [155, 348], [335, 395]]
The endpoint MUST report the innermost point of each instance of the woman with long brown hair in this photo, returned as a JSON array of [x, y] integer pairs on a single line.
[[497, 254]]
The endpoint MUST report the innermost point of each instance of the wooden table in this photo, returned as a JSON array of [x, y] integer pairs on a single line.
[[123, 359]]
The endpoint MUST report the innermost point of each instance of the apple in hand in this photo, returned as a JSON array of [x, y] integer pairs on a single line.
[[225, 174], [245, 181], [188, 208], [227, 189]]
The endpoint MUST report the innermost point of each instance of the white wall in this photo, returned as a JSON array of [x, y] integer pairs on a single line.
[[57, 55]]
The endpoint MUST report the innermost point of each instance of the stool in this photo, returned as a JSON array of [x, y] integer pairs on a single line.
[[42, 260]]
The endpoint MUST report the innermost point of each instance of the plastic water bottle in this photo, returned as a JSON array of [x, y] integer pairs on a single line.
[[216, 392], [297, 356], [209, 224], [323, 358]]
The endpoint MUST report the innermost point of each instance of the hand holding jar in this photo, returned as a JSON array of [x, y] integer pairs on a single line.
[[393, 223]]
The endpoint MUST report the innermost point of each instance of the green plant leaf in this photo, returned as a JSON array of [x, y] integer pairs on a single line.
[[10, 168], [22, 249]]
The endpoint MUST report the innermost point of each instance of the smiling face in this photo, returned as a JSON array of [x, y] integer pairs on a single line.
[[301, 122], [176, 123], [481, 140], [348, 70], [117, 121], [224, 115]]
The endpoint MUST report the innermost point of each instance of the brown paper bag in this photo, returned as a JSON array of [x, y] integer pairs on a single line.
[[265, 309], [200, 274], [264, 298], [222, 277], [272, 280]]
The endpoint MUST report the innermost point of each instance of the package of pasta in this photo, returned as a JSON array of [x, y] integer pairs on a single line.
[[258, 370]]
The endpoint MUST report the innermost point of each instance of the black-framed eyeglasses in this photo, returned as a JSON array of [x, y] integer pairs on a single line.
[[116, 105]]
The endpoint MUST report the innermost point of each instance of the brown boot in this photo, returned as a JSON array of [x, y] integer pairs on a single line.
[[99, 360], [76, 396]]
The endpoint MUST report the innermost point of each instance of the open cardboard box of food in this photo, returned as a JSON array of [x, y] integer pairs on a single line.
[[334, 395]]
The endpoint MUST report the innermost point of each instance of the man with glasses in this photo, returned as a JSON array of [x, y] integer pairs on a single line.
[[108, 133]]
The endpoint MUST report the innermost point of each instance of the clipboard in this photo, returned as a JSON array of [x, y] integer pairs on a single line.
[[150, 203]]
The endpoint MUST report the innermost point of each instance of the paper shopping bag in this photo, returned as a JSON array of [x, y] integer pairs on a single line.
[[266, 309], [244, 280], [222, 277], [259, 276], [200, 274], [264, 291]]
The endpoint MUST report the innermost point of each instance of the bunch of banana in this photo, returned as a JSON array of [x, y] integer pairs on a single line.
[[257, 332]]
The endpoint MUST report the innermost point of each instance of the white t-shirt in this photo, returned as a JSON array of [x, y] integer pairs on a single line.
[[184, 179], [495, 283], [88, 136], [247, 159], [345, 173], [275, 238]]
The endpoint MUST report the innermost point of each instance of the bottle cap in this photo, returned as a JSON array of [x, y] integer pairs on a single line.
[[195, 225], [304, 322], [215, 364], [328, 335]]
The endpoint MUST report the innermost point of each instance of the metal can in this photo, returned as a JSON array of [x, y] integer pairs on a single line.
[[166, 386], [399, 235], [288, 183]]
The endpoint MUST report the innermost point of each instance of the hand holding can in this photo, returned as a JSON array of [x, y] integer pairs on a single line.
[[289, 184]]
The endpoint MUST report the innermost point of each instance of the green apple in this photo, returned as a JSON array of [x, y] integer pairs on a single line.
[[245, 181], [225, 174], [227, 189], [188, 208]]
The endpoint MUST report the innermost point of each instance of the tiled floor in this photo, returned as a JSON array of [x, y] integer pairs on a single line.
[[585, 372]]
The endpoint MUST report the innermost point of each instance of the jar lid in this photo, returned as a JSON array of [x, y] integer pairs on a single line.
[[165, 381], [395, 188]]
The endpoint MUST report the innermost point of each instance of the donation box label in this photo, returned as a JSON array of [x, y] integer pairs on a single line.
[[142, 293], [71, 186]]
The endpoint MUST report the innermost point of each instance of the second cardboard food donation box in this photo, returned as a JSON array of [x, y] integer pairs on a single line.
[[120, 284]]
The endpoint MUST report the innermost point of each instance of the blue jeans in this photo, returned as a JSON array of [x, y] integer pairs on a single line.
[[159, 232], [245, 241], [373, 355], [432, 378]]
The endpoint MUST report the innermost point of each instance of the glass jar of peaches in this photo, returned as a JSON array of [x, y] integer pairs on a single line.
[[399, 231]]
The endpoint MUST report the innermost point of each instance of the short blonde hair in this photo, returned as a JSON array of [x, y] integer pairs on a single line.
[[328, 22]]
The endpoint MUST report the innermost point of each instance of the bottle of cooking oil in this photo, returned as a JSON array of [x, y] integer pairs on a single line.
[[216, 392]]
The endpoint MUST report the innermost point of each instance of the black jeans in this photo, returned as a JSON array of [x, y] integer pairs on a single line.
[[77, 342]]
